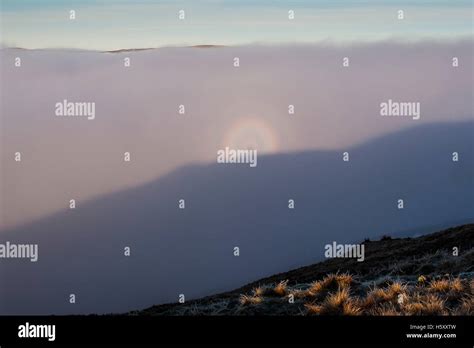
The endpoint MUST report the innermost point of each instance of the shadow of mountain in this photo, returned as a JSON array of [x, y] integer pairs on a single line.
[[190, 251]]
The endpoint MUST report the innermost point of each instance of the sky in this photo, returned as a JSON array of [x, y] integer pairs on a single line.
[[121, 24]]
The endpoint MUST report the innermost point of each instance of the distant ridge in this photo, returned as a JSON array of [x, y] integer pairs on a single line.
[[155, 48], [130, 50], [121, 50], [207, 46]]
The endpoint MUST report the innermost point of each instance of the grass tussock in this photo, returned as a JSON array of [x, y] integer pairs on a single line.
[[329, 284], [426, 305], [338, 303], [281, 289], [466, 307], [246, 300], [393, 294], [442, 285], [341, 294], [259, 291]]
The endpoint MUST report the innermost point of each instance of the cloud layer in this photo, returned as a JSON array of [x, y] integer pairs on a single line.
[[137, 109]]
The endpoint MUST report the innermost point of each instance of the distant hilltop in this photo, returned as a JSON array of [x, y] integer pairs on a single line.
[[152, 48]]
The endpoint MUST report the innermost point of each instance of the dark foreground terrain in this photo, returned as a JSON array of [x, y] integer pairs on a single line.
[[402, 276]]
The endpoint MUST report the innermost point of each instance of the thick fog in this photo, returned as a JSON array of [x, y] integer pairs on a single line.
[[137, 109], [173, 156]]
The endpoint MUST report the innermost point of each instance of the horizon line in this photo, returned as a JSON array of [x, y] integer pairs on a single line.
[[322, 42]]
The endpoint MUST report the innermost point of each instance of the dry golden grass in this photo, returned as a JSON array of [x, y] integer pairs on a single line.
[[466, 307], [397, 288], [258, 291], [330, 283], [451, 289], [375, 297], [338, 303], [384, 309], [281, 288], [313, 309], [316, 288], [442, 285], [457, 285], [425, 305], [344, 280], [250, 300], [333, 295], [391, 294]]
